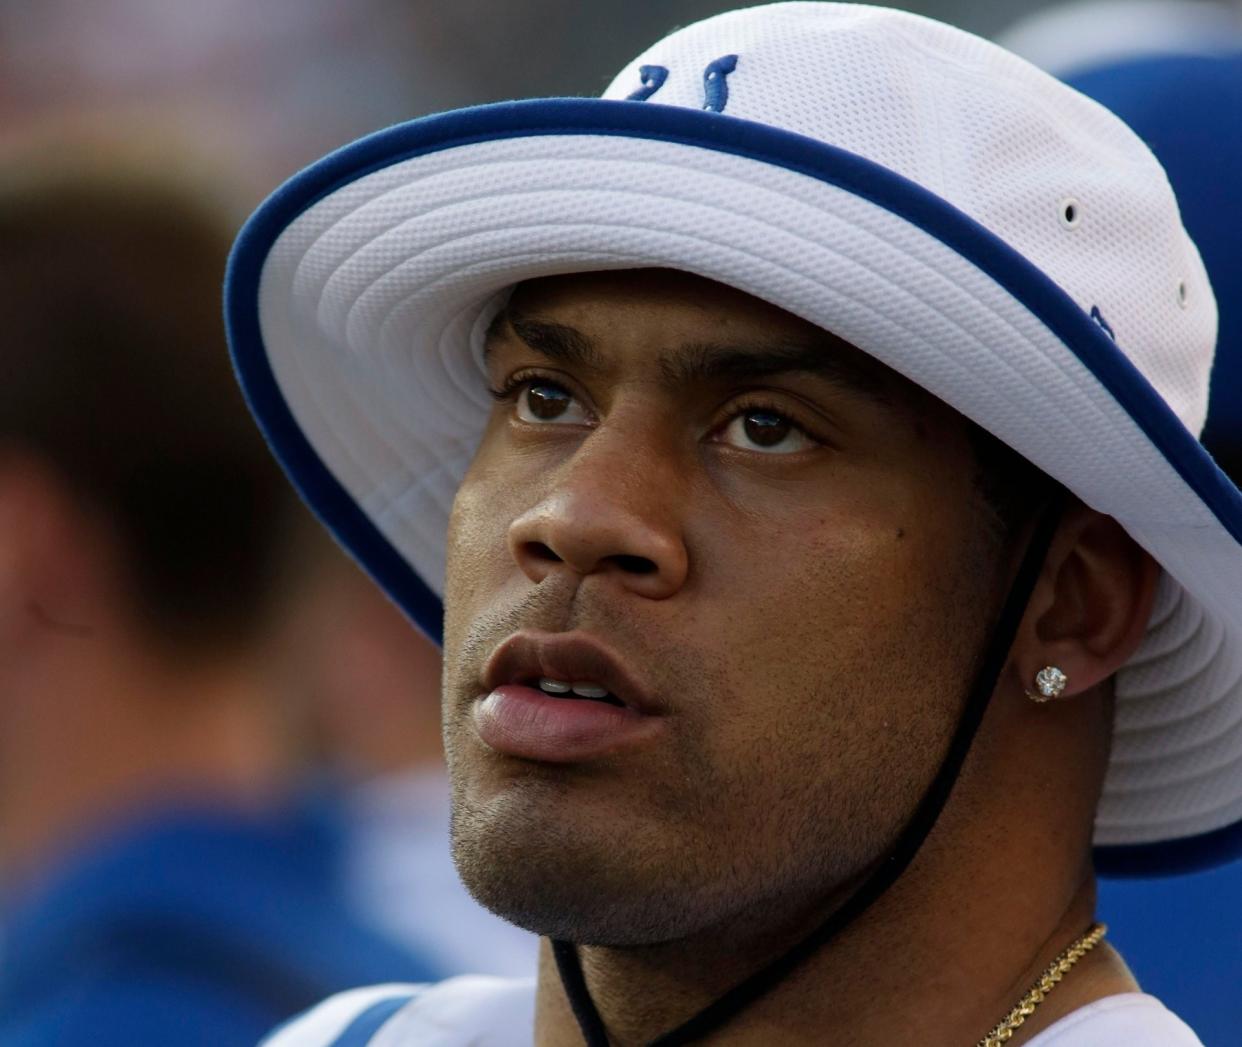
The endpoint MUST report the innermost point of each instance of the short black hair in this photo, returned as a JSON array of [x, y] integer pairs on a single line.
[[1013, 488], [115, 374]]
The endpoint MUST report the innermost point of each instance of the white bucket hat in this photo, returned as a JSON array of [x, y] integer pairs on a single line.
[[950, 209]]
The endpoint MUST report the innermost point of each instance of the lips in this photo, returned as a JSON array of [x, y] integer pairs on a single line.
[[574, 658], [562, 698]]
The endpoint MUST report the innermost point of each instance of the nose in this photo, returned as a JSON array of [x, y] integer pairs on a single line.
[[616, 515]]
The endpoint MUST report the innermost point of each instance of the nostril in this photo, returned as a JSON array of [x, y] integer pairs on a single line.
[[634, 564], [539, 551]]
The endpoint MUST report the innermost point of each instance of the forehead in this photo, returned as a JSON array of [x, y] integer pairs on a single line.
[[691, 304]]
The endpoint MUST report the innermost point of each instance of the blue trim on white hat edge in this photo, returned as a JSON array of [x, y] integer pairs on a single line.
[[320, 490], [1187, 854], [588, 116]]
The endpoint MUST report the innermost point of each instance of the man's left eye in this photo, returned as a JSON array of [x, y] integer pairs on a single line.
[[767, 432], [543, 402]]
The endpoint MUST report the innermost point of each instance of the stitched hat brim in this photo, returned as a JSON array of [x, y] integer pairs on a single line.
[[358, 295]]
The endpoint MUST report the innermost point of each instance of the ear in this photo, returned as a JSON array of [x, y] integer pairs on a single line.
[[51, 558], [1090, 607]]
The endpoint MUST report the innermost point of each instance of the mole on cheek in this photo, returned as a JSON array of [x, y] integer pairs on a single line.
[[901, 533]]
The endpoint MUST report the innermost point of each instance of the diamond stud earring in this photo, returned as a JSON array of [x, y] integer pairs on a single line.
[[1049, 683]]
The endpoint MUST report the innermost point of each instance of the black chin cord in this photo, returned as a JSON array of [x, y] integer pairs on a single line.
[[594, 1034], [717, 1013]]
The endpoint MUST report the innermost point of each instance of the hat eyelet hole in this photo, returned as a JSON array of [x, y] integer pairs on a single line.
[[1070, 213], [1183, 295]]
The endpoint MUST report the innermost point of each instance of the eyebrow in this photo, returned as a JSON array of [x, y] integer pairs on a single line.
[[694, 363], [831, 359], [558, 342]]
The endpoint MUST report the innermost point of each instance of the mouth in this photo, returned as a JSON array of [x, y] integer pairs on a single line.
[[578, 690], [561, 698], [569, 667]]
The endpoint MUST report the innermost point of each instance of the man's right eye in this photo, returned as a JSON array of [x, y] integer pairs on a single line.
[[541, 402]]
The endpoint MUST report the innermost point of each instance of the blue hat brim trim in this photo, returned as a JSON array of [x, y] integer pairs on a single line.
[[845, 170], [1171, 857]]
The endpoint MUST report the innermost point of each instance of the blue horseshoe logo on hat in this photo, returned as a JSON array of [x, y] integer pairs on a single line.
[[715, 83]]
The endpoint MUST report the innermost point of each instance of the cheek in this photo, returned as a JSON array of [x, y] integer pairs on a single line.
[[476, 546], [831, 628], [481, 576], [845, 573]]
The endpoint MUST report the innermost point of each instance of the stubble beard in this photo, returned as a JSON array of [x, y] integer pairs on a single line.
[[704, 835], [693, 853]]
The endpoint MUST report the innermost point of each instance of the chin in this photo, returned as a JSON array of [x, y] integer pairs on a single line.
[[575, 873]]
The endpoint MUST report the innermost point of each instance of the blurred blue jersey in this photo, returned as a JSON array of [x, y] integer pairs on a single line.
[[194, 928], [1182, 937]]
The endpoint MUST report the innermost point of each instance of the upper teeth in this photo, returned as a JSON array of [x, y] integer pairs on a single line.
[[584, 689]]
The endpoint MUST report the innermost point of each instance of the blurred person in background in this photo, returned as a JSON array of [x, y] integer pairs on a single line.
[[1173, 72], [369, 686], [163, 883], [258, 90], [274, 83]]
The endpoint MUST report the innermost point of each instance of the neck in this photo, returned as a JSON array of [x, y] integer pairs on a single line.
[[1001, 886], [104, 738], [951, 985]]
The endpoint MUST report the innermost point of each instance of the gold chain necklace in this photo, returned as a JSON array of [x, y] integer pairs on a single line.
[[1044, 984]]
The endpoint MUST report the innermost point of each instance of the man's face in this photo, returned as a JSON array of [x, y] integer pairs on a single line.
[[771, 547]]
